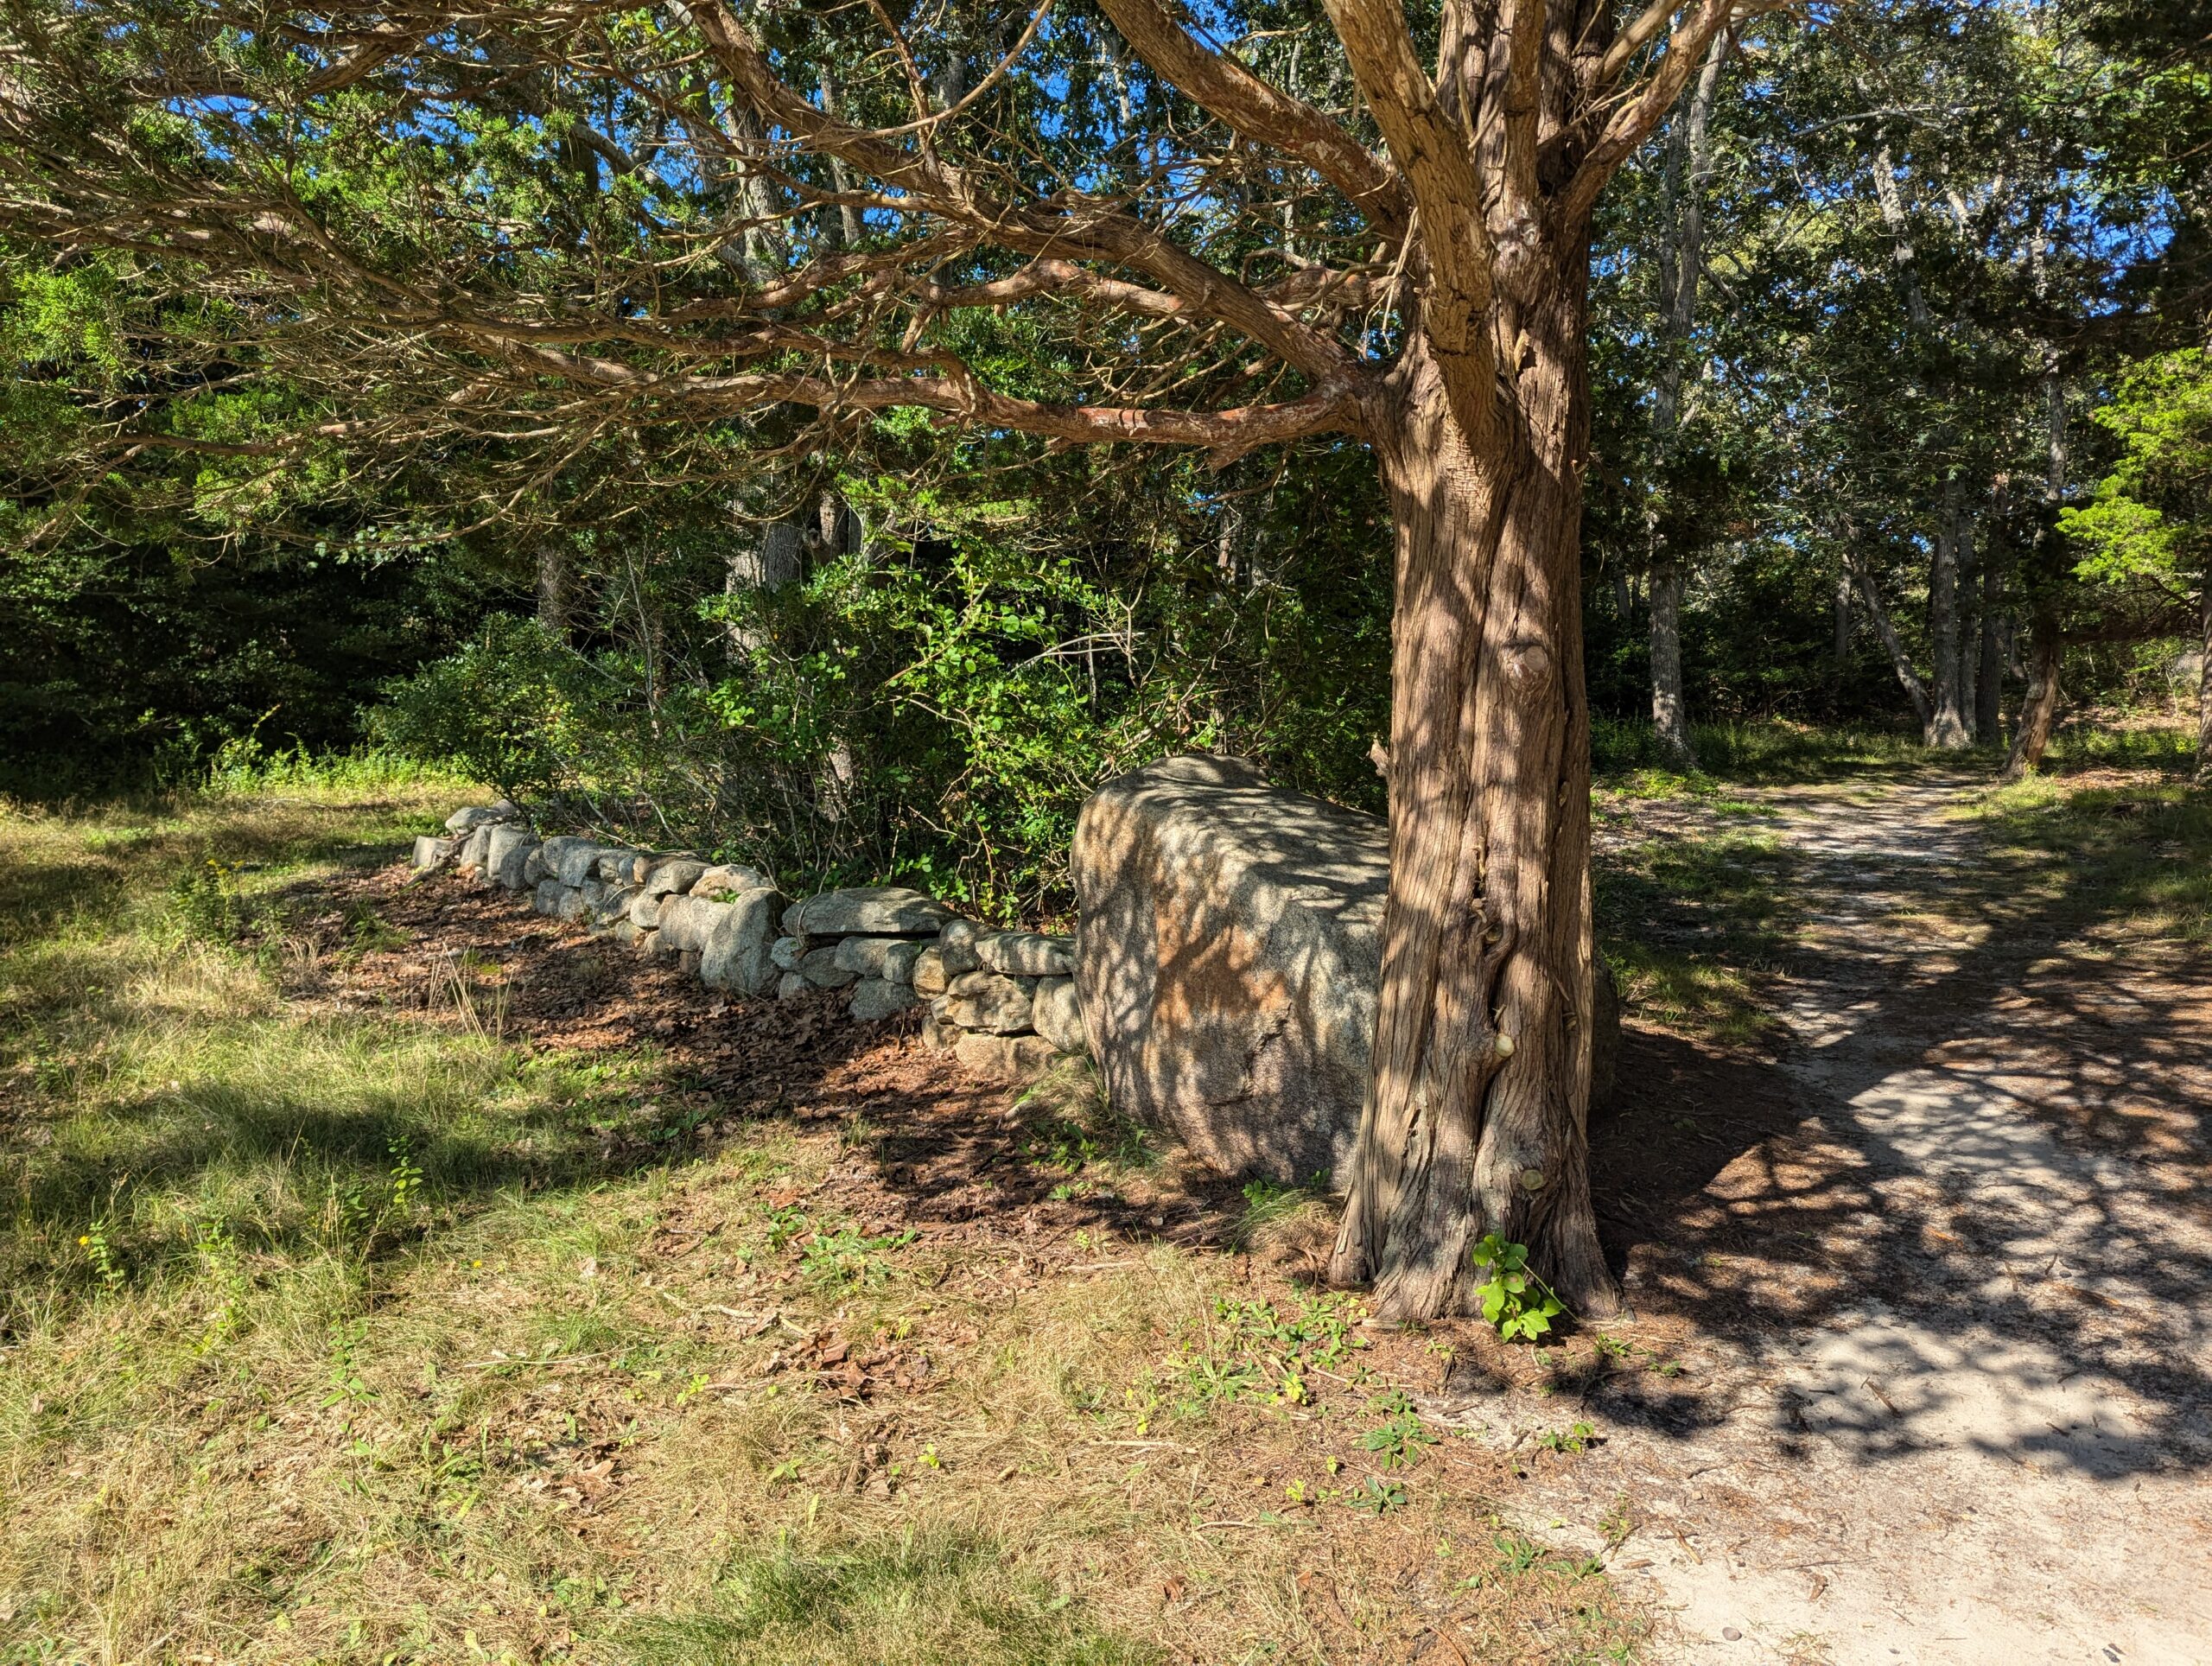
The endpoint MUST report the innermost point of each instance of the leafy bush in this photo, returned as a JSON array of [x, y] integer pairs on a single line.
[[932, 701]]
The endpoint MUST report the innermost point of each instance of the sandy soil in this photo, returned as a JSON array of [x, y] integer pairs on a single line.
[[1942, 1320]]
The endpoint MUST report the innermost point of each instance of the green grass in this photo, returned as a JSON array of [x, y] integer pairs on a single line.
[[354, 1336], [2133, 856], [930, 1597], [1624, 755], [1692, 926]]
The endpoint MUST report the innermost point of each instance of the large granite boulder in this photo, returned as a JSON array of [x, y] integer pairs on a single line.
[[1228, 958]]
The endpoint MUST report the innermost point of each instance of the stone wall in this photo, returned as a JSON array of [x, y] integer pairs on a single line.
[[1225, 982], [1003, 1002]]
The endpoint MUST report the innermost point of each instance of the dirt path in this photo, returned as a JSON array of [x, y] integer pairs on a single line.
[[1946, 1394]]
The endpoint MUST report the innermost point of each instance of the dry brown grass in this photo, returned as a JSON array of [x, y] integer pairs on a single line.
[[377, 1353]]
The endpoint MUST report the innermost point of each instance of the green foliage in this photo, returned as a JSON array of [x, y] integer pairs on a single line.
[[104, 1263], [205, 903], [848, 1260], [1265, 1203], [1376, 1497], [1520, 1304], [1254, 1351], [1575, 1438], [1398, 1441], [937, 691], [2149, 522]]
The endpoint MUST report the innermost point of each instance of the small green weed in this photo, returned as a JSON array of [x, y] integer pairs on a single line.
[[786, 1223], [1254, 1351], [369, 932], [1265, 1203], [1514, 1299], [1519, 1554], [1576, 1437], [1618, 1523], [1378, 1498], [847, 1260], [205, 903], [346, 1386], [106, 1263], [1399, 1439]]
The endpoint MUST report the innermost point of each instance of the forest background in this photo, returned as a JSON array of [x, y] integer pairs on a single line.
[[1904, 421]]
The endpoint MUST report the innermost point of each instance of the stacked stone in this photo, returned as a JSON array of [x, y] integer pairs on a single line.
[[1004, 1002], [864, 938], [718, 918]]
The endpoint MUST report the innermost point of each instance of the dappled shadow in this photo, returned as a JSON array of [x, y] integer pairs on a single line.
[[1966, 1207], [948, 1153]]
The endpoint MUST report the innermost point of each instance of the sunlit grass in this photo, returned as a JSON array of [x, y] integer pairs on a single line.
[[360, 1337], [1625, 756], [1692, 926], [2134, 856]]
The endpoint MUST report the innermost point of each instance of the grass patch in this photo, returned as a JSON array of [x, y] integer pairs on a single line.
[[356, 1337], [1773, 752], [1692, 926], [919, 1596], [2133, 856]]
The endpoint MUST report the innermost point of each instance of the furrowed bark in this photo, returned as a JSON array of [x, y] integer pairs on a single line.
[[554, 600], [1669, 716], [1475, 1119]]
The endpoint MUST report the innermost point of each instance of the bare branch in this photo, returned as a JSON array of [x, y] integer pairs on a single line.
[[1260, 113], [1432, 153]]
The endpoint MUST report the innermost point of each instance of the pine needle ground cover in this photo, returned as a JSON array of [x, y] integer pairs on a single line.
[[391, 1277]]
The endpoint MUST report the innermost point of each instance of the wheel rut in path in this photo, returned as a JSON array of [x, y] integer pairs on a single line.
[[1946, 1330]]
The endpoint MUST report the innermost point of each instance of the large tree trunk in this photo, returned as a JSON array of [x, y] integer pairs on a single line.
[[1840, 651], [1476, 1113], [1670, 720], [1946, 724], [764, 557]]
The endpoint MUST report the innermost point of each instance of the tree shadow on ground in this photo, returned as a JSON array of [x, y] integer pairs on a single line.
[[1981, 1163]]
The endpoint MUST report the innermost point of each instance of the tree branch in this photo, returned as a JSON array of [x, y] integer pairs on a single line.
[[1085, 226], [1260, 113], [1432, 156]]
